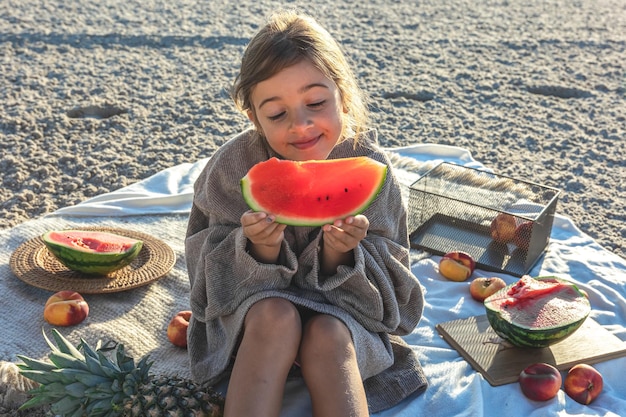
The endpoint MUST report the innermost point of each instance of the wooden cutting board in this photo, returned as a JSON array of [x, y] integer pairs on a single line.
[[500, 363]]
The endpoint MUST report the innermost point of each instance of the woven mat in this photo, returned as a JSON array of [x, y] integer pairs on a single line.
[[137, 316]]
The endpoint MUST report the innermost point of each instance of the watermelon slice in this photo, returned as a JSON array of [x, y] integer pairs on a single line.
[[313, 193], [92, 252], [537, 312]]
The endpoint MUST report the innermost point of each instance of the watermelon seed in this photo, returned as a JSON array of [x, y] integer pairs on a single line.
[[327, 197], [345, 190]]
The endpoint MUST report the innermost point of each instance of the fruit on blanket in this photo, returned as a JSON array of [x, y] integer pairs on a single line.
[[313, 193], [65, 308], [537, 312], [583, 383], [92, 252], [540, 381], [503, 228], [483, 287], [456, 266], [177, 328], [522, 235], [104, 381]]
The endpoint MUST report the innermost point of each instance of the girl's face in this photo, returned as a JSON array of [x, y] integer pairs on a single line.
[[299, 111]]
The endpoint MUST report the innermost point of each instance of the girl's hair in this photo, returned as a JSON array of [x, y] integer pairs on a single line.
[[287, 39]]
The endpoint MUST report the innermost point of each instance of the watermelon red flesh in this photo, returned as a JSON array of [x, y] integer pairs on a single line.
[[528, 294], [537, 312], [313, 193], [92, 252], [89, 241]]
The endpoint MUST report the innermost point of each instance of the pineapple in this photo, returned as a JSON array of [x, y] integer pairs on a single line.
[[106, 382]]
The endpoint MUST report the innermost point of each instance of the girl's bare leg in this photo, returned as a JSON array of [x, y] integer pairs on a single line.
[[330, 369], [268, 348]]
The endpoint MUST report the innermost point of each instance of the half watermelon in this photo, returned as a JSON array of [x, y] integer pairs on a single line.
[[92, 252], [537, 312], [313, 193]]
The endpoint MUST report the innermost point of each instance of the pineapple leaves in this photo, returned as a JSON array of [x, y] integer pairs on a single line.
[[39, 398], [125, 362], [64, 345], [66, 406], [63, 360], [76, 390], [106, 382], [35, 364], [42, 377]]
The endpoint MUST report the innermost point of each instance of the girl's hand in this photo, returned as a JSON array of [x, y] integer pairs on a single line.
[[265, 235], [340, 238], [345, 235]]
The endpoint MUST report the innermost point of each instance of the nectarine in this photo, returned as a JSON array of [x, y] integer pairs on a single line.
[[483, 287], [503, 228], [177, 328], [583, 383], [65, 308], [540, 381], [522, 236], [457, 266]]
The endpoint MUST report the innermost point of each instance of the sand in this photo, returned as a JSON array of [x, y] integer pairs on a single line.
[[95, 96]]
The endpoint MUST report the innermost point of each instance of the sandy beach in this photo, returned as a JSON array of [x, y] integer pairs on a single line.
[[95, 96]]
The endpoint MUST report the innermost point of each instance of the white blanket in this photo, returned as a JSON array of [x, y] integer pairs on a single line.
[[138, 318]]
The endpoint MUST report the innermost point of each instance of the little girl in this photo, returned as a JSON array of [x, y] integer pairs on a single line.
[[334, 300]]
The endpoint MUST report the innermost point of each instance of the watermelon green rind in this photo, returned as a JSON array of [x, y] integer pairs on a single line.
[[376, 171], [536, 337], [88, 261]]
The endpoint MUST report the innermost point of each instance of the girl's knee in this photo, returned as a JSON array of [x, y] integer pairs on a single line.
[[273, 314], [324, 333], [325, 326]]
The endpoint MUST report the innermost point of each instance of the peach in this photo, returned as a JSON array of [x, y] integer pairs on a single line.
[[522, 235], [583, 383], [503, 228], [483, 287], [65, 308], [540, 381], [457, 266], [177, 329]]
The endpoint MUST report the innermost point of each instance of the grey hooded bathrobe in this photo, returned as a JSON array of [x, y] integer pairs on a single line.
[[378, 298]]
